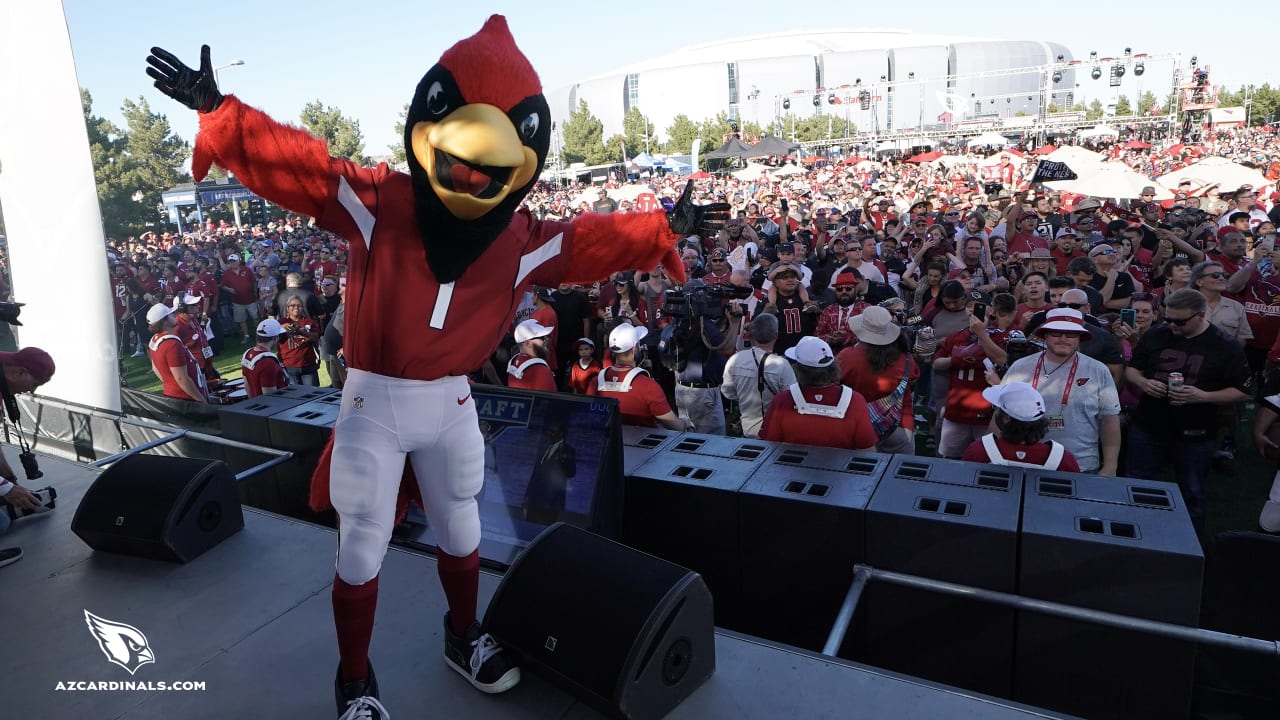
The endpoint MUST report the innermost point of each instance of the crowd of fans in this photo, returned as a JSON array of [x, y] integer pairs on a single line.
[[995, 319]]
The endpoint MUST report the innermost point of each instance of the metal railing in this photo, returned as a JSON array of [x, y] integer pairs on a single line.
[[863, 574], [171, 434]]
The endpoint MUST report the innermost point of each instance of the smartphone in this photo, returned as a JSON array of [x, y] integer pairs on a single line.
[[1129, 317], [785, 207], [980, 311]]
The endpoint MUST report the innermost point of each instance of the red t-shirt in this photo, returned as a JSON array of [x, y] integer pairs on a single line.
[[530, 375], [1035, 454], [318, 269], [168, 354], [262, 369], [581, 378], [640, 405], [1061, 260], [1025, 243], [298, 352], [857, 374], [191, 335], [1024, 313], [783, 423], [965, 403], [243, 285]]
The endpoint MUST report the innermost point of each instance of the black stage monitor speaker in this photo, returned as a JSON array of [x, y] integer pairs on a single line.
[[159, 507], [628, 633]]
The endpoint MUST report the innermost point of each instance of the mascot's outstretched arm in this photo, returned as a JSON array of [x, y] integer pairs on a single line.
[[605, 243], [288, 166]]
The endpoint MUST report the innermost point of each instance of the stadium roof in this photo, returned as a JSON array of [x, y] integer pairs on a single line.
[[790, 43]]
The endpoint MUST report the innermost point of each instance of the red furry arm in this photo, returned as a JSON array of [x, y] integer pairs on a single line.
[[606, 243], [283, 164]]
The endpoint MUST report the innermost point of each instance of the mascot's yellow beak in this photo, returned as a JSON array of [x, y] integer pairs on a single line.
[[474, 158]]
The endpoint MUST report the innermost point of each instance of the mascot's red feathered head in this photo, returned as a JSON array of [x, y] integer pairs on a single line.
[[476, 137]]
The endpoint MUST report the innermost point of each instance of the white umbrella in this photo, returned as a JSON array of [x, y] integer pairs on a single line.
[[865, 165], [752, 171], [1227, 174], [1072, 154], [1098, 131], [989, 138], [786, 170], [1109, 180]]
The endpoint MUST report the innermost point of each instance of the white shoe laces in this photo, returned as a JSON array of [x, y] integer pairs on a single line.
[[362, 709], [485, 647]]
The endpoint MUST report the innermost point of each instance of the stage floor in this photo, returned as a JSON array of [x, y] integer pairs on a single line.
[[251, 620]]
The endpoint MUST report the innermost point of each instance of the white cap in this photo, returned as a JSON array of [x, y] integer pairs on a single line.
[[625, 337], [811, 352], [270, 328], [233, 256], [158, 312], [1018, 400], [530, 329], [588, 341], [189, 299]]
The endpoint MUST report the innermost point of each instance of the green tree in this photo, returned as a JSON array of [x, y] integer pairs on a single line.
[[1147, 102], [1123, 106], [1095, 110], [715, 131], [639, 133], [340, 132], [397, 150], [112, 168], [156, 154], [583, 135], [609, 151], [680, 136], [1053, 108], [1266, 104], [751, 133]]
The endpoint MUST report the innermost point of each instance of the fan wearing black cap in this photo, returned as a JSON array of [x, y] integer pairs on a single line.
[[1018, 439], [817, 409], [641, 400]]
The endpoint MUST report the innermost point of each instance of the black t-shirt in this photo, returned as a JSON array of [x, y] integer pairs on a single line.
[[793, 324], [571, 309], [1209, 361], [1122, 290], [606, 205]]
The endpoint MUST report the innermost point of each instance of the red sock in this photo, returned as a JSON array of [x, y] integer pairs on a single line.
[[353, 609], [460, 578]]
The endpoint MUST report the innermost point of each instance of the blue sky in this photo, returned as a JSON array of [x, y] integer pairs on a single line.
[[365, 58]]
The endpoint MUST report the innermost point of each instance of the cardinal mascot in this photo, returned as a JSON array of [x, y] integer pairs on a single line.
[[439, 260]]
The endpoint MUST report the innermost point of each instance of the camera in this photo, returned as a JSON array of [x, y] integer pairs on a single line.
[[701, 300], [30, 465], [9, 312]]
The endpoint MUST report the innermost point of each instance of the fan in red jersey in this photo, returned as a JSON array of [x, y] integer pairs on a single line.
[[528, 368], [584, 370], [439, 259], [262, 369]]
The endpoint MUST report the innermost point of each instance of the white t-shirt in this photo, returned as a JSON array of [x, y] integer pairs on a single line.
[[1093, 394]]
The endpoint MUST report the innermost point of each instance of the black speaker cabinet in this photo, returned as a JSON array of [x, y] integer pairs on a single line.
[[628, 633], [159, 507]]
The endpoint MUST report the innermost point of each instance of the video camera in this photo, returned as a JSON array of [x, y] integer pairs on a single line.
[[9, 312], [701, 300]]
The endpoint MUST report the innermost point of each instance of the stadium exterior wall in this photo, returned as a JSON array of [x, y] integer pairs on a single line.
[[664, 87]]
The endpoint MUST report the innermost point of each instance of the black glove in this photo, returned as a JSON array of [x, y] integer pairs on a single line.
[[196, 89], [687, 219]]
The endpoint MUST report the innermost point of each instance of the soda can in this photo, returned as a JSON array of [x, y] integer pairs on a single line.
[[1175, 380]]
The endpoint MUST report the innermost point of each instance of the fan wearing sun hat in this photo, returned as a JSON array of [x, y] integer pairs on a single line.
[[1020, 425], [817, 409], [641, 400], [880, 368]]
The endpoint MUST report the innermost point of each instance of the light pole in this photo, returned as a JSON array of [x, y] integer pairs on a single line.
[[233, 63], [754, 97]]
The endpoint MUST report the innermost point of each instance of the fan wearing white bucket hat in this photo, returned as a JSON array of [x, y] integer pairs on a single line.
[[641, 400]]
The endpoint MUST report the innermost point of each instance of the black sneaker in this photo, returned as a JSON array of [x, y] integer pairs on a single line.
[[358, 699], [478, 657], [9, 556]]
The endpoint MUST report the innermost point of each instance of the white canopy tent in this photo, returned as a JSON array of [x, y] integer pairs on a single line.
[[1109, 180], [1227, 174], [1097, 131], [989, 139]]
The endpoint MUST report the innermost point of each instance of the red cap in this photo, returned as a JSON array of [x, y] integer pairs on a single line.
[[36, 361]]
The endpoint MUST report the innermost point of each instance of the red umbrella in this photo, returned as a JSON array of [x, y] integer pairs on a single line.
[[1136, 145], [925, 157], [700, 175], [813, 159], [1044, 150], [853, 160]]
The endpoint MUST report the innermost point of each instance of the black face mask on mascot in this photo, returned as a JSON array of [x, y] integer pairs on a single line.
[[475, 145]]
